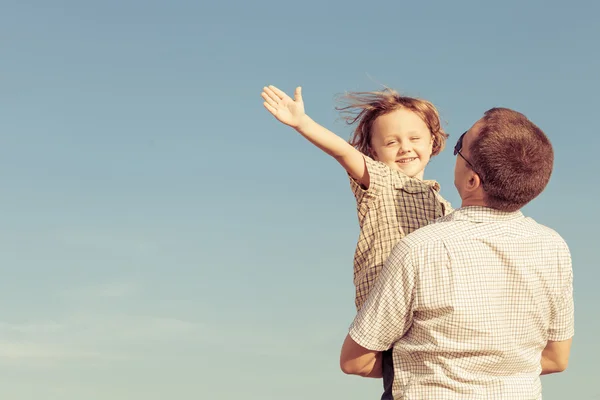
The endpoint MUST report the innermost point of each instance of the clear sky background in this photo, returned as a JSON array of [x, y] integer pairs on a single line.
[[163, 237]]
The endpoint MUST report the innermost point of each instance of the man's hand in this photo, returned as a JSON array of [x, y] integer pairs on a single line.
[[286, 110]]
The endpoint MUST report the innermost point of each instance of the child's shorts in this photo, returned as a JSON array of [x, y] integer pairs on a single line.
[[388, 374]]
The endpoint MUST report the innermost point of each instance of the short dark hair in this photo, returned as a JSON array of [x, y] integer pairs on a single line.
[[514, 158]]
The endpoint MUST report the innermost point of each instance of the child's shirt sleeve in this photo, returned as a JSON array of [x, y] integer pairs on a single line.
[[446, 206], [379, 176]]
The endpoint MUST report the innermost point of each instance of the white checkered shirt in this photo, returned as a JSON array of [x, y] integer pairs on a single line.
[[468, 304], [393, 206]]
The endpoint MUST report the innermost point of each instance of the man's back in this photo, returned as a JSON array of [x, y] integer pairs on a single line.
[[487, 289]]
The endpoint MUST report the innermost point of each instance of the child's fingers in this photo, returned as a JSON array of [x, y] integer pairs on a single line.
[[271, 94], [270, 108], [298, 94], [278, 92], [268, 99]]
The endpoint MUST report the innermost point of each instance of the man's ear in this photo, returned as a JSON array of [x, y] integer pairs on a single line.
[[474, 182]]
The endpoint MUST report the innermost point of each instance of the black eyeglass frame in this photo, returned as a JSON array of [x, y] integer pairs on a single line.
[[458, 148]]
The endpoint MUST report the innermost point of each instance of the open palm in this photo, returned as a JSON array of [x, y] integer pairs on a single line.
[[283, 107]]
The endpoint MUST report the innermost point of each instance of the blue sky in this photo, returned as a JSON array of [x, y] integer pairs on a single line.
[[162, 236]]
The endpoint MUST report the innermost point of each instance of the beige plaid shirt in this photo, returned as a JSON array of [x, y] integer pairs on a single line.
[[468, 304], [392, 207]]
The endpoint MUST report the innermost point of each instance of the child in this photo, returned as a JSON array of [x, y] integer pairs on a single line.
[[385, 159]]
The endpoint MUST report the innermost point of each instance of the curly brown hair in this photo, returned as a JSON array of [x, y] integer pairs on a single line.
[[365, 107]]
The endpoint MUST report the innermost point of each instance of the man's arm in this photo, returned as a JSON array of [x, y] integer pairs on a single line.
[[356, 360], [555, 356], [383, 319]]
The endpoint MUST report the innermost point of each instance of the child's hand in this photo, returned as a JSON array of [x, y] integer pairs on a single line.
[[286, 110]]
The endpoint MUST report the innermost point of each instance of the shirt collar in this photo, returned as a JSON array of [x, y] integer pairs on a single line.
[[432, 184], [414, 185], [481, 214]]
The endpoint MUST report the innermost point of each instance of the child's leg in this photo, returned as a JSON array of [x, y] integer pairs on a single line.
[[388, 375]]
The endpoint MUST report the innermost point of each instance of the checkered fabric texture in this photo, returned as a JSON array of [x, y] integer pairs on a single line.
[[468, 303], [393, 206]]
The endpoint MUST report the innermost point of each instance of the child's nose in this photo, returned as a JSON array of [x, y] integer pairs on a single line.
[[404, 147]]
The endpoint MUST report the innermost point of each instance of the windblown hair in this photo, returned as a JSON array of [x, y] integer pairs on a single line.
[[513, 156], [365, 107]]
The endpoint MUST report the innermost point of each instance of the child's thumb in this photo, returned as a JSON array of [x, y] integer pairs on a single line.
[[298, 94]]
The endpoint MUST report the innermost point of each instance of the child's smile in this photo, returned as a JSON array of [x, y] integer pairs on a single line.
[[401, 140]]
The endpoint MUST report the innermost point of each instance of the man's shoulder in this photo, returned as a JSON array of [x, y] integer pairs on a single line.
[[463, 219], [453, 227], [438, 231], [543, 229], [546, 231]]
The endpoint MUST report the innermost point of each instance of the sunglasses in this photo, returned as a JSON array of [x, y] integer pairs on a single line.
[[457, 150]]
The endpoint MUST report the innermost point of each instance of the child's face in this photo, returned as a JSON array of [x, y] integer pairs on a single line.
[[402, 140]]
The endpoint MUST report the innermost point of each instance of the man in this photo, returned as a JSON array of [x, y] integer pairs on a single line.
[[478, 304]]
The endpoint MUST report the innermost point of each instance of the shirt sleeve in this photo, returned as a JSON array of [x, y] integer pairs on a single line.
[[445, 204], [379, 176], [563, 319], [388, 311]]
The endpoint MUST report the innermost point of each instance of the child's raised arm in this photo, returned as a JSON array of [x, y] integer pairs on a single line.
[[291, 112]]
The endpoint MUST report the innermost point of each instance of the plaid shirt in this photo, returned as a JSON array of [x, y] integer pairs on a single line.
[[468, 304], [392, 207]]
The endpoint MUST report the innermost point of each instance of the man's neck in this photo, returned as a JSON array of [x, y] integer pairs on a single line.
[[470, 202]]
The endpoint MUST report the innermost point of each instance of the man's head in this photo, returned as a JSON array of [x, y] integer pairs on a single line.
[[504, 161]]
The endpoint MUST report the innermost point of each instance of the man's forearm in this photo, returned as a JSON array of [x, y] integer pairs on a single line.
[[356, 360], [550, 367], [376, 369], [373, 369], [555, 356]]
